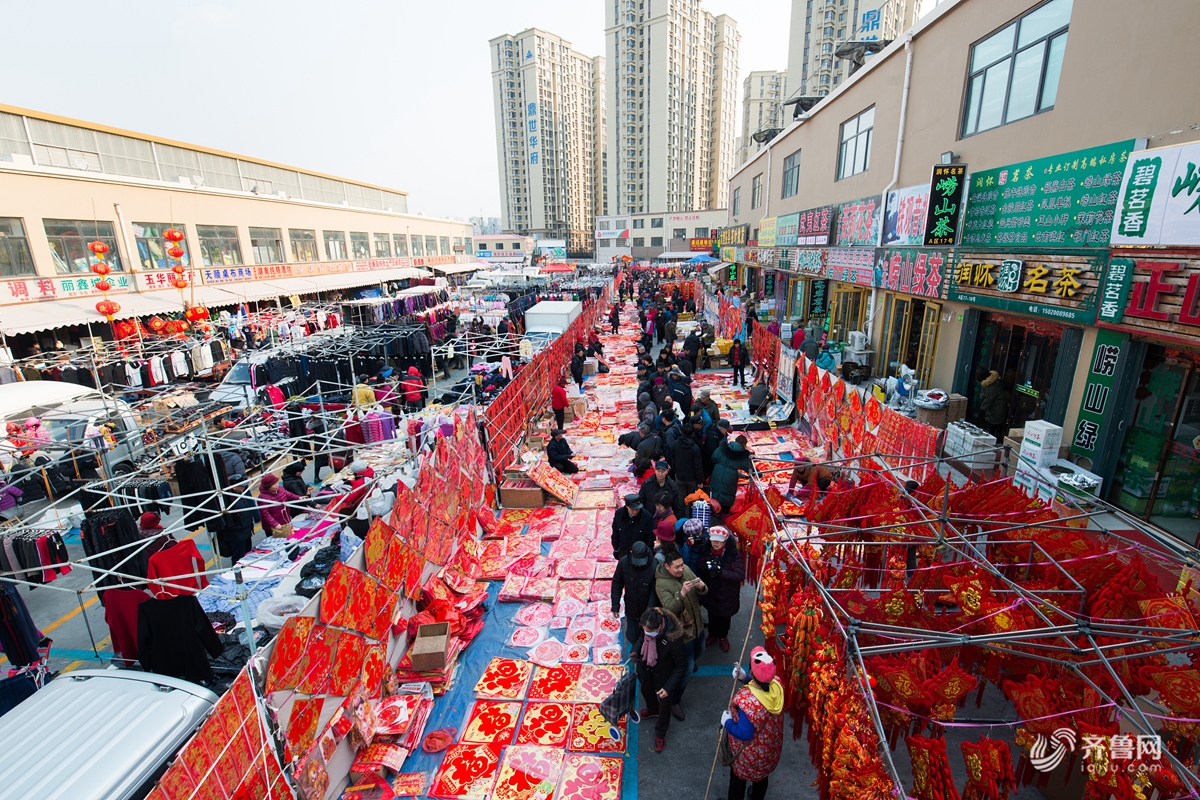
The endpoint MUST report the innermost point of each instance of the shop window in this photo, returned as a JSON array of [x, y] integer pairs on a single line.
[[152, 247], [444, 245], [679, 233], [335, 245], [219, 245], [855, 153], [15, 259], [267, 245], [1023, 352], [848, 312], [383, 245], [910, 335], [360, 245], [304, 245], [69, 241], [418, 248], [1014, 72]]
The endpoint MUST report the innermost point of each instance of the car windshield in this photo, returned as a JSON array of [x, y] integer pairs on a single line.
[[64, 429], [240, 373]]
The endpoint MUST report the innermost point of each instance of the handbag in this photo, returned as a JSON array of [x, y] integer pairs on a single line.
[[282, 532], [622, 702], [725, 749]]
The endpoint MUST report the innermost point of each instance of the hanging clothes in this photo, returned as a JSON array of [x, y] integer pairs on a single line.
[[177, 564], [19, 637], [121, 615], [175, 638], [104, 530]]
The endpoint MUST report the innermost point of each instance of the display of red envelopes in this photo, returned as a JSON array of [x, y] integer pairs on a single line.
[[596, 683], [282, 672], [528, 772], [546, 724], [554, 683], [588, 777], [302, 726], [504, 679], [540, 589], [347, 663], [466, 769], [491, 722], [580, 590], [369, 787], [590, 731], [493, 560], [317, 664], [335, 594]]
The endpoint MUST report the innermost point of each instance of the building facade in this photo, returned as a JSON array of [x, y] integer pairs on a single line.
[[549, 102], [252, 229], [672, 105], [505, 248], [763, 93], [649, 236], [1010, 226]]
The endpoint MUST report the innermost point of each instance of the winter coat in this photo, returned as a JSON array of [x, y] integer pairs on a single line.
[[710, 407], [739, 356], [270, 505], [413, 389], [724, 583], [627, 529], [557, 450], [630, 440], [649, 413], [810, 348], [993, 403], [294, 484], [726, 464], [825, 361], [9, 497], [757, 757], [558, 398], [577, 368], [660, 393], [669, 330], [685, 607], [692, 344], [649, 448], [712, 440], [664, 525], [681, 393], [670, 433], [235, 466], [687, 460], [671, 666], [760, 397], [637, 583], [651, 489], [239, 523]]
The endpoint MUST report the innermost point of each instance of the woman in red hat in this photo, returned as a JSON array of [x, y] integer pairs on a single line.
[[754, 723]]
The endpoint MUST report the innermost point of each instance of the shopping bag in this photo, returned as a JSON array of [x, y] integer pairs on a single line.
[[622, 702]]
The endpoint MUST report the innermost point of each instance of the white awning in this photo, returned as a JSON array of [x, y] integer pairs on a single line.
[[456, 269], [46, 315], [676, 256], [715, 268], [291, 286]]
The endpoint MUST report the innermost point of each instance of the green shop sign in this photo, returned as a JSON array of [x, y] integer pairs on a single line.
[[1061, 201], [1059, 287], [1114, 293], [1098, 394]]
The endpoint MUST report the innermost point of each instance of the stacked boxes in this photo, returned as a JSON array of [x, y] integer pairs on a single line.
[[1040, 446], [971, 445]]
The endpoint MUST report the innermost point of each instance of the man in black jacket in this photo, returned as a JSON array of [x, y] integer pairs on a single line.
[[650, 448], [631, 524], [633, 438], [681, 390], [634, 577], [559, 453], [716, 436], [691, 346], [658, 483], [687, 458]]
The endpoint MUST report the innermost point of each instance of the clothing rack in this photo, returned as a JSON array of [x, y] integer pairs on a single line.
[[34, 555]]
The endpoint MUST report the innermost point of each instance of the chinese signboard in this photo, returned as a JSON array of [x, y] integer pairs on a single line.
[[1159, 201], [764, 256], [1061, 201], [531, 121], [858, 222], [768, 284], [1157, 295], [785, 374], [809, 261], [1056, 287], [851, 265], [1099, 391], [701, 245], [735, 236], [158, 279], [918, 272], [904, 221], [785, 230], [51, 288], [818, 297], [766, 232], [813, 227], [946, 188], [622, 233]]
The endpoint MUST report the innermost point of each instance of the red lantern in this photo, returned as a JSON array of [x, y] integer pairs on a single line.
[[179, 326], [196, 314], [177, 269], [173, 235], [101, 268], [103, 286], [175, 252], [179, 283], [98, 247], [108, 308]]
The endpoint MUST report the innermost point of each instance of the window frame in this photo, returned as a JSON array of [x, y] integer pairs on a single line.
[[842, 142], [230, 247], [309, 244], [387, 245], [756, 191], [1015, 50], [736, 201], [418, 246], [145, 255], [430, 246], [7, 240], [335, 237], [791, 176], [400, 245], [255, 247], [362, 241]]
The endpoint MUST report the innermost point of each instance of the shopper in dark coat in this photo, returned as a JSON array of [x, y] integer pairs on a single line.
[[662, 665], [577, 365], [691, 346], [559, 453], [714, 437], [630, 524], [650, 448], [293, 479], [658, 483], [635, 579], [686, 457], [739, 359], [729, 461], [237, 537], [722, 569], [681, 390]]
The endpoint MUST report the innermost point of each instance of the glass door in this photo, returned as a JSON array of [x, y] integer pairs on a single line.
[[927, 340], [1034, 374], [849, 312], [897, 321]]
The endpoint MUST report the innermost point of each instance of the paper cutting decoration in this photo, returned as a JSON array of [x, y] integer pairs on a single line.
[[529, 772], [492, 723], [582, 636], [504, 679], [335, 594], [576, 568], [282, 672], [577, 654], [555, 683], [317, 663], [466, 769], [607, 655], [373, 667], [535, 615], [548, 653], [545, 724], [590, 731], [596, 683], [526, 637], [587, 777], [347, 664]]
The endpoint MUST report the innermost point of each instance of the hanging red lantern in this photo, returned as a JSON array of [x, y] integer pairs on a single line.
[[196, 314], [98, 247], [175, 252], [177, 269], [101, 268], [108, 308], [173, 235], [180, 326], [103, 286], [179, 283]]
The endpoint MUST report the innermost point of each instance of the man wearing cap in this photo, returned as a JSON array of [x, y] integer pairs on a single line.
[[730, 460], [708, 407], [559, 453], [631, 524], [754, 723], [635, 578], [658, 483]]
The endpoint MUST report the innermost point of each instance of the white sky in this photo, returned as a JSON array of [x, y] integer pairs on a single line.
[[393, 93]]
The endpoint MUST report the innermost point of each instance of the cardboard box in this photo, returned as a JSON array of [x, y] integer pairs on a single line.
[[537, 441], [590, 365], [1045, 435], [430, 647], [932, 416], [578, 407], [956, 409], [520, 496]]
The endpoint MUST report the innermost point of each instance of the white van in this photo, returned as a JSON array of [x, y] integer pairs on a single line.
[[98, 734], [66, 409]]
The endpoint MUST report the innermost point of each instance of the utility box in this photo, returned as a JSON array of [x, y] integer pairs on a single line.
[[430, 647], [552, 316]]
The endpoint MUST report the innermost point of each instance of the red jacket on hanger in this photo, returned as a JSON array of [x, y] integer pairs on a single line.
[[174, 562]]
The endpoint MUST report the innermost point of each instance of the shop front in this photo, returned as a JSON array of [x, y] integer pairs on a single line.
[[1139, 421], [1026, 323], [913, 287], [851, 271], [799, 237]]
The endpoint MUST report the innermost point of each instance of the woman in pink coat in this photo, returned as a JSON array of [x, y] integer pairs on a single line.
[[271, 499]]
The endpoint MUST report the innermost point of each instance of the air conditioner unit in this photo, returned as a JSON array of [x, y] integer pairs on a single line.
[[857, 340]]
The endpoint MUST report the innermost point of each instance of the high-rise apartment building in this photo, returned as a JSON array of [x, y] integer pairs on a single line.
[[763, 93], [819, 26], [672, 105], [485, 226], [549, 105]]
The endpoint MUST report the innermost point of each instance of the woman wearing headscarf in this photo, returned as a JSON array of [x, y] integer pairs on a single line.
[[754, 723], [272, 497]]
